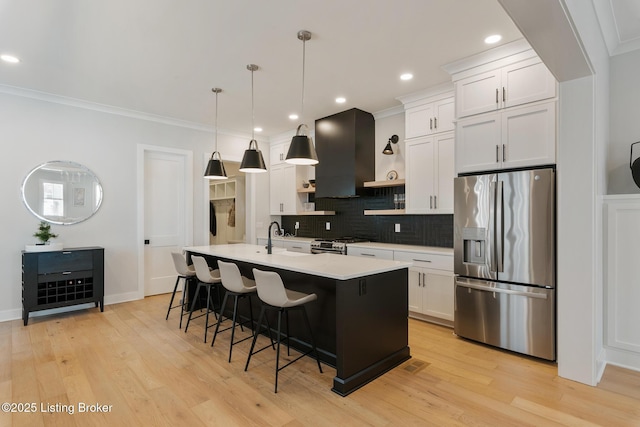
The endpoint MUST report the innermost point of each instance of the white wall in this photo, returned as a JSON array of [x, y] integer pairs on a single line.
[[625, 122], [35, 131], [387, 125]]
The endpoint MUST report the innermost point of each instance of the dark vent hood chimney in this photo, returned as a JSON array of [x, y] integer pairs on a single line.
[[345, 144]]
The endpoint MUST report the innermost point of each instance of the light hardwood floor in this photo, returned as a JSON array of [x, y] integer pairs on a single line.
[[152, 373]]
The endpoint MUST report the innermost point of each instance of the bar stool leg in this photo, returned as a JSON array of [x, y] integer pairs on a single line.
[[275, 390], [193, 305], [185, 287], [233, 324], [224, 304], [172, 297], [313, 343], [255, 337]]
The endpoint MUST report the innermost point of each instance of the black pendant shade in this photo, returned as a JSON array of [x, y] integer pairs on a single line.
[[215, 168], [301, 150], [252, 160]]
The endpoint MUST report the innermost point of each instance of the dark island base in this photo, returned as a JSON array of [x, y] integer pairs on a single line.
[[360, 325]]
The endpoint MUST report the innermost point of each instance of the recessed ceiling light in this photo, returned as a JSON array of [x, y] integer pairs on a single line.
[[406, 76], [257, 129], [493, 39], [293, 116], [340, 100], [9, 58]]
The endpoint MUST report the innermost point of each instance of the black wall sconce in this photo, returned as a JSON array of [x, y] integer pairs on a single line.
[[393, 140], [635, 166]]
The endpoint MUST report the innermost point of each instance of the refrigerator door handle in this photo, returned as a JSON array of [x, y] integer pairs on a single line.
[[502, 291], [492, 226], [499, 228]]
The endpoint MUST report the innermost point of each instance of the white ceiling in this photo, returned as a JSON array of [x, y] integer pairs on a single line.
[[162, 57]]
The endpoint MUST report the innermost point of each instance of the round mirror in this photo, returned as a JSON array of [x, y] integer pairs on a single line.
[[62, 192]]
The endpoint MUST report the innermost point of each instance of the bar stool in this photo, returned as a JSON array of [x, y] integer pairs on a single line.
[[185, 272], [206, 279], [237, 286], [275, 296]]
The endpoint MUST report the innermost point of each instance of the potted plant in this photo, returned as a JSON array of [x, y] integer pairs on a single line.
[[44, 234]]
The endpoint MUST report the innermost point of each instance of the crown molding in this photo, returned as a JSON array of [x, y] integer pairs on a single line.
[[388, 112], [109, 109]]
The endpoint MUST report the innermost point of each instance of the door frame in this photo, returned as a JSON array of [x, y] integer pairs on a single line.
[[142, 149]]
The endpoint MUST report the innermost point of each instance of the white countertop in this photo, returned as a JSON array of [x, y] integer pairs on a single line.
[[332, 266], [289, 238], [407, 248]]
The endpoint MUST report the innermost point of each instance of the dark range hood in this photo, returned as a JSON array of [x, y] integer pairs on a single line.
[[345, 144]]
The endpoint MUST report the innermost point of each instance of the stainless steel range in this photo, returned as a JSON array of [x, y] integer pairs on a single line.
[[333, 246]]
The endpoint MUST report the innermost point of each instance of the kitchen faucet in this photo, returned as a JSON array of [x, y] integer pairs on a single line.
[[269, 244]]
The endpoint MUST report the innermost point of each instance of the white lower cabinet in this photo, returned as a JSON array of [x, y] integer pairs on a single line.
[[295, 246], [370, 252], [431, 286]]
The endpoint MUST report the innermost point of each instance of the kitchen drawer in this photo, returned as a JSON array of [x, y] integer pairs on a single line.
[[297, 246], [426, 260], [58, 262], [369, 252]]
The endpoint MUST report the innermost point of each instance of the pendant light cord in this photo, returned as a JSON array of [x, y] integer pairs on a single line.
[[304, 42], [253, 115], [215, 122]]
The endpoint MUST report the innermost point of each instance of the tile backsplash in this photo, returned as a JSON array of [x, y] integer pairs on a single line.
[[349, 220]]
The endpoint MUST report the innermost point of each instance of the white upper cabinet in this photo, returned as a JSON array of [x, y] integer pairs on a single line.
[[278, 152], [429, 165], [430, 118], [283, 195], [515, 84], [512, 138]]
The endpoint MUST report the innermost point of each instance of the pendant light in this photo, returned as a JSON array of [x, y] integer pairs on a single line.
[[301, 150], [252, 161], [215, 167]]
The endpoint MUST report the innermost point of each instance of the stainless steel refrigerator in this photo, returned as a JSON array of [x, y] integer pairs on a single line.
[[505, 262]]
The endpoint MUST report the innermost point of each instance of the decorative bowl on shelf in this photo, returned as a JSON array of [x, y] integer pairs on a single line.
[[305, 185], [312, 182]]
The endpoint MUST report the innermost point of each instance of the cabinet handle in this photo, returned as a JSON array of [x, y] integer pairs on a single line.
[[419, 279], [296, 247], [421, 260], [504, 155], [430, 202], [497, 153], [435, 202], [497, 95], [430, 124], [66, 272], [504, 95], [66, 252], [435, 122], [424, 280], [364, 254]]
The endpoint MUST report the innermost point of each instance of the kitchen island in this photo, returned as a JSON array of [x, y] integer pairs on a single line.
[[359, 320]]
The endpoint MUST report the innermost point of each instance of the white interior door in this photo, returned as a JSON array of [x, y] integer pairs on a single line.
[[165, 217]]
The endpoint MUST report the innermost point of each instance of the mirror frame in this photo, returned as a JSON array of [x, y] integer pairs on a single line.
[[97, 196]]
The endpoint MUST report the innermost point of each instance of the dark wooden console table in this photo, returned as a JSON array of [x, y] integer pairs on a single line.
[[62, 278]]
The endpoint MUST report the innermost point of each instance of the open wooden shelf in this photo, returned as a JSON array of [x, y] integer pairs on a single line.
[[388, 183], [307, 190], [385, 212], [317, 213]]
